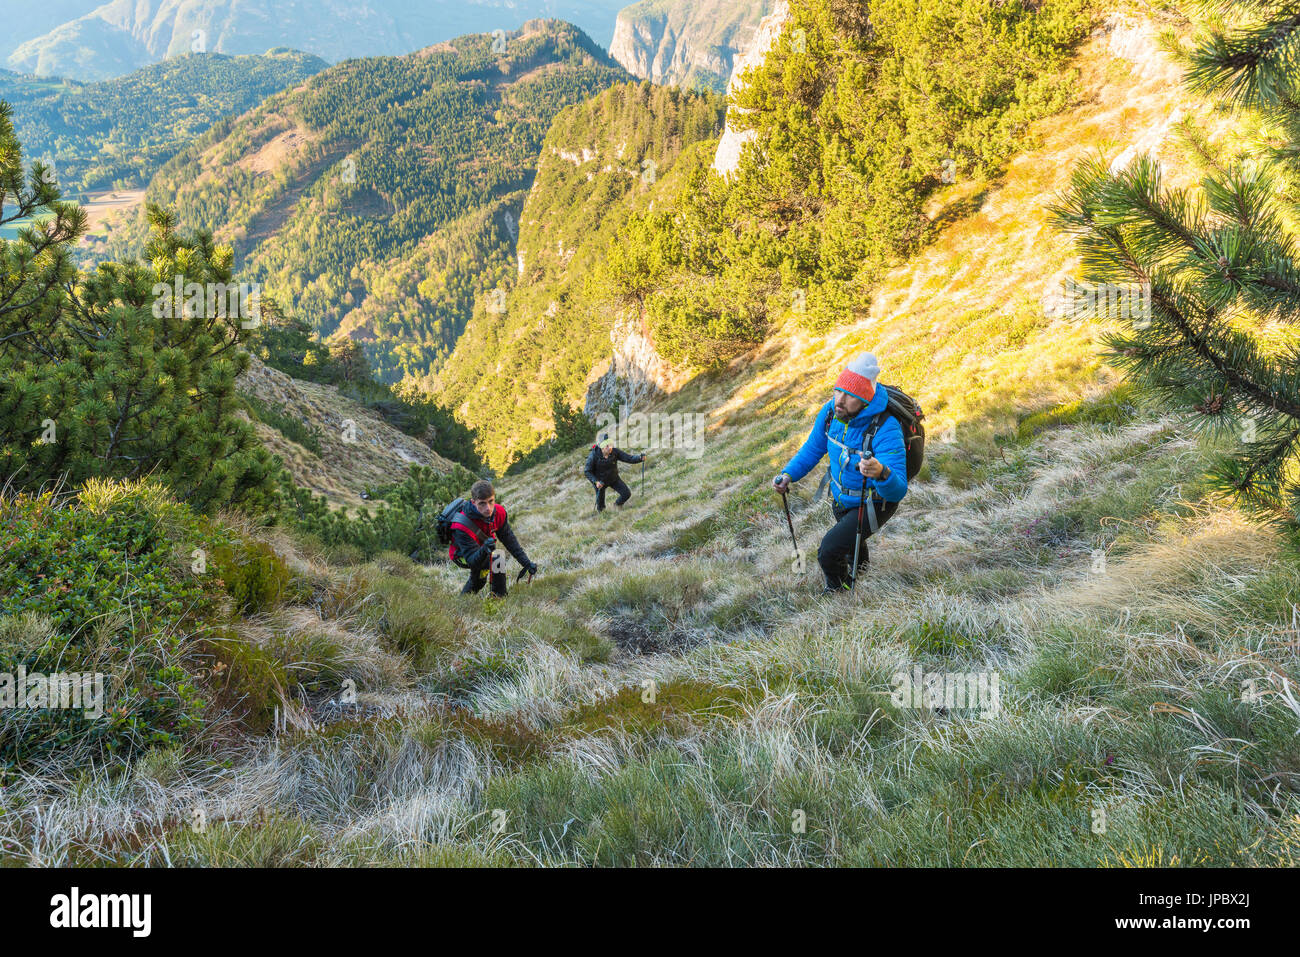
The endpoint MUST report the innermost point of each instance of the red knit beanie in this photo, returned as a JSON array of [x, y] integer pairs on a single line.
[[859, 377]]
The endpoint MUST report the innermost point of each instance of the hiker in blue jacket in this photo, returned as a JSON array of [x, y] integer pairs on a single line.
[[866, 447]]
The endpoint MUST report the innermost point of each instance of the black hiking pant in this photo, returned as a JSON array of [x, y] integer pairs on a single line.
[[619, 486], [835, 553], [479, 574]]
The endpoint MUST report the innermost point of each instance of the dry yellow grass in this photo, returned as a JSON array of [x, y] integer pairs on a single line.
[[358, 448]]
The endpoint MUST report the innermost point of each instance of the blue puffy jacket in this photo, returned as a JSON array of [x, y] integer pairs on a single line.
[[845, 444]]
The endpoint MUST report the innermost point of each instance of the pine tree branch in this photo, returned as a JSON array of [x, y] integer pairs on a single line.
[[1197, 342], [1252, 67]]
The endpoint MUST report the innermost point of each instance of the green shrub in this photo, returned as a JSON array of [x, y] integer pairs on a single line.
[[255, 576], [1075, 661], [676, 589], [276, 841], [510, 743], [122, 581], [464, 674], [403, 520], [423, 629], [651, 612], [706, 324], [674, 706], [102, 585], [937, 637], [957, 466], [247, 680], [570, 635]]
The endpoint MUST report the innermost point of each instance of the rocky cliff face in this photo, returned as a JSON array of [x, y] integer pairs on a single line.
[[634, 373], [685, 42], [665, 42], [765, 37]]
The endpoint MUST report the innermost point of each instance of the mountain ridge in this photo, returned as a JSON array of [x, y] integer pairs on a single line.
[[390, 152], [118, 132], [119, 36], [358, 449]]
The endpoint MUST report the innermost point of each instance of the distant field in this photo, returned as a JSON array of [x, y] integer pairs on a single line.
[[98, 206]]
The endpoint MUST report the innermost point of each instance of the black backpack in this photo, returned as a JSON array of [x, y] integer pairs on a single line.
[[445, 519], [909, 415]]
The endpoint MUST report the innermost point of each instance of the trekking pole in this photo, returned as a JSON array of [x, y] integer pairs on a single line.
[[641, 491], [790, 522], [857, 545]]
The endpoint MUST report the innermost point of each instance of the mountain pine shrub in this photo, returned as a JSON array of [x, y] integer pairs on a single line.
[[1220, 264]]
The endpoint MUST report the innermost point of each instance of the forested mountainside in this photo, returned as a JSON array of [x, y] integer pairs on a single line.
[[346, 186], [531, 346], [99, 40], [117, 133], [855, 126]]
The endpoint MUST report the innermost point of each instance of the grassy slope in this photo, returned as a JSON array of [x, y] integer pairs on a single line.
[[379, 455], [1121, 681]]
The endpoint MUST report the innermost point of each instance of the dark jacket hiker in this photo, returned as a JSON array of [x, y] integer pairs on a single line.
[[843, 428], [474, 537], [602, 472]]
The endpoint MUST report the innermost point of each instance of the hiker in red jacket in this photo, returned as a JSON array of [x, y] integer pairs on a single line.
[[474, 534]]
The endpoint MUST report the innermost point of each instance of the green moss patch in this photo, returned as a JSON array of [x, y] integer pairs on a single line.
[[676, 706]]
